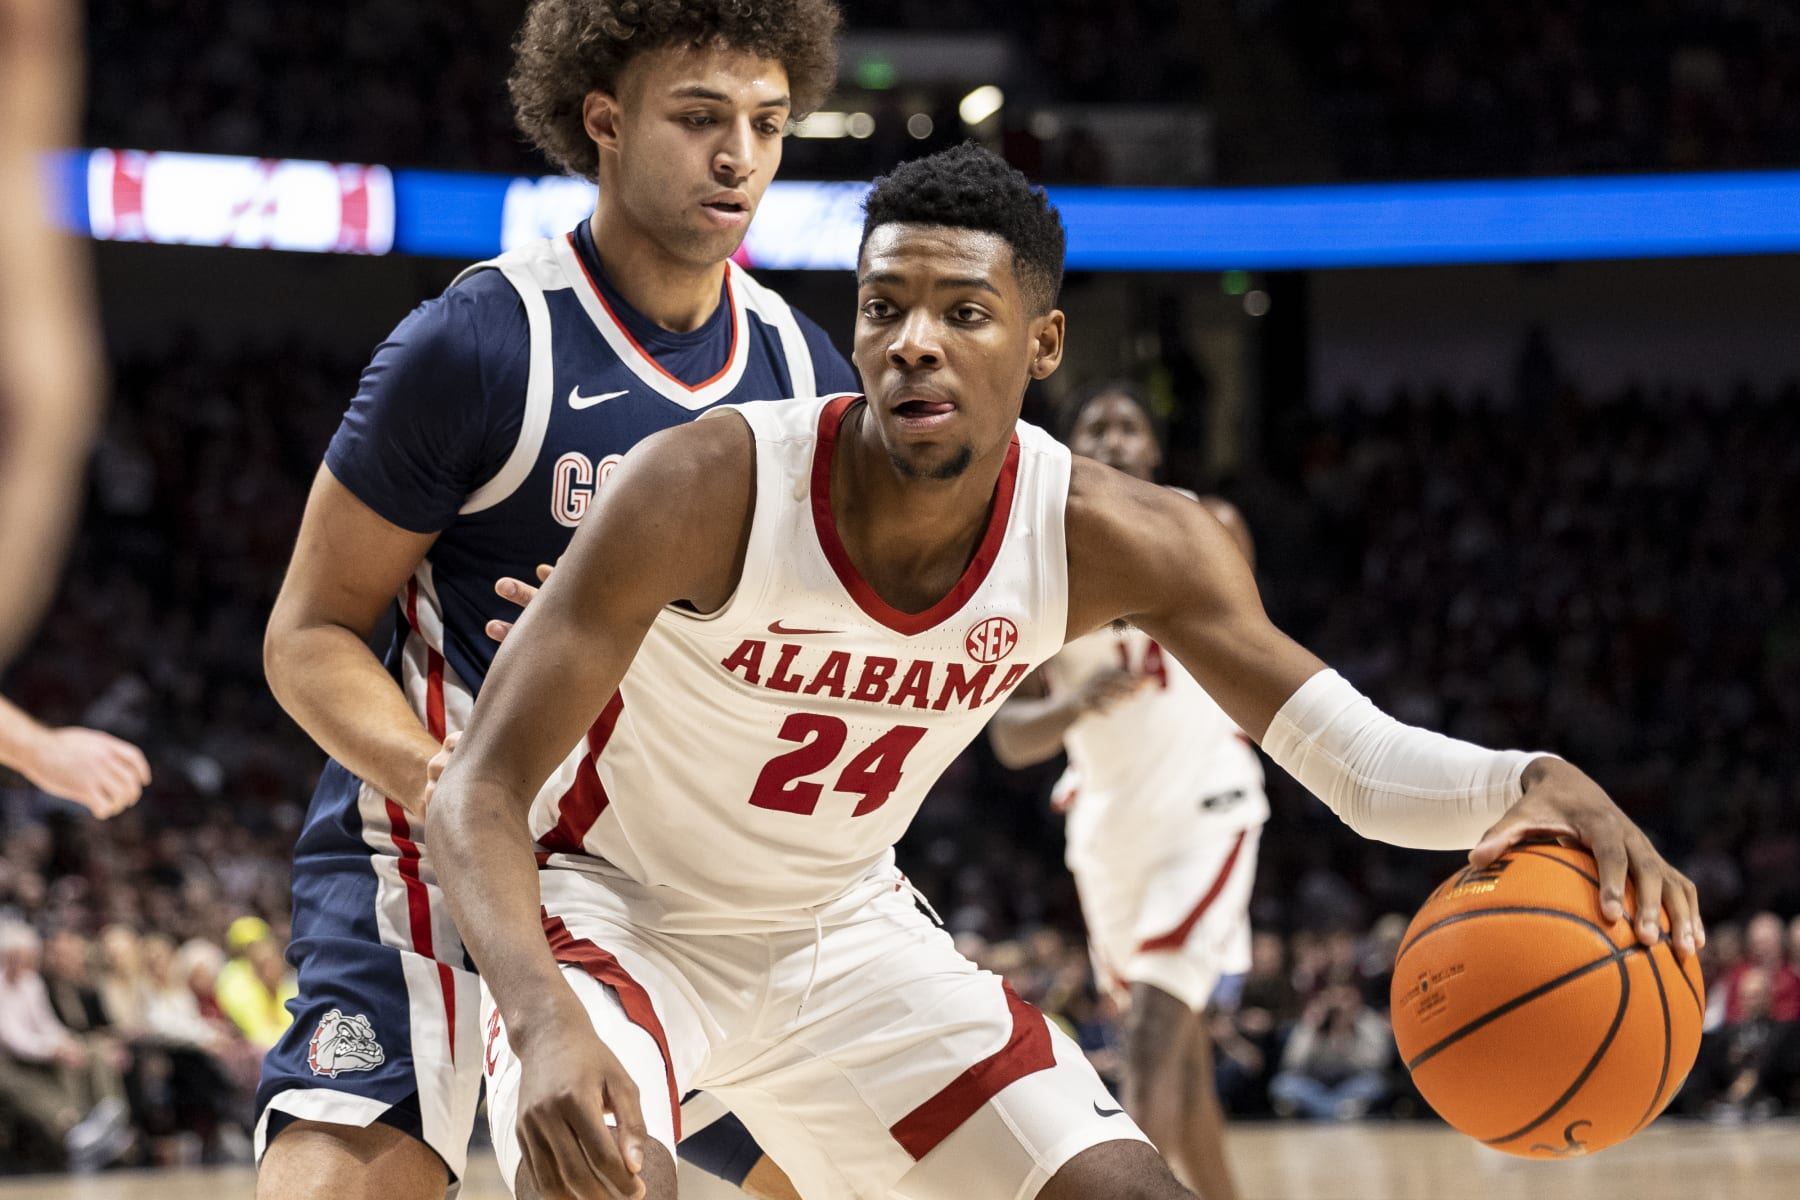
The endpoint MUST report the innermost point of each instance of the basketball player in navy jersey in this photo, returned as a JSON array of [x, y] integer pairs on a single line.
[[477, 438], [824, 602], [1165, 806]]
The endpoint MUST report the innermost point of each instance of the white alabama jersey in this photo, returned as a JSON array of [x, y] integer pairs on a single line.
[[760, 760], [1155, 765]]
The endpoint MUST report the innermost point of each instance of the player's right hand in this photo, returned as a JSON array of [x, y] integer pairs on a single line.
[[520, 593], [569, 1082]]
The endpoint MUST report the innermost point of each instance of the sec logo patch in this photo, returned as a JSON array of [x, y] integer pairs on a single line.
[[991, 640]]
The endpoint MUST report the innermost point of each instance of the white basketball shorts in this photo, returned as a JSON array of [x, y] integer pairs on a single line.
[[1179, 923], [865, 1054]]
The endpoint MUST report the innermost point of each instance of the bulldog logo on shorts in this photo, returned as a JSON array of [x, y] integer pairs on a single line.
[[344, 1044]]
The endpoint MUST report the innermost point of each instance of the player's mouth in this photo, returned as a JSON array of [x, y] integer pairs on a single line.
[[920, 411], [728, 208]]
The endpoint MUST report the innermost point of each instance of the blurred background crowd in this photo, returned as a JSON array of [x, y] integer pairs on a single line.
[[1610, 569], [1357, 88], [1616, 599]]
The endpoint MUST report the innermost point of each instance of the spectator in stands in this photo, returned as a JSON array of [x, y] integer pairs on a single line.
[[1375, 961], [1747, 1068], [1333, 1066], [1248, 1035], [1765, 956], [1723, 951], [56, 1086], [254, 987]]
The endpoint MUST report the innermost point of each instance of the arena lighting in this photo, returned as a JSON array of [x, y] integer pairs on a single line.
[[822, 125], [351, 208], [980, 104]]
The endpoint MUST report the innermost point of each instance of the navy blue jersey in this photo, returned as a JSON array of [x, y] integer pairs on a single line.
[[488, 417], [493, 412]]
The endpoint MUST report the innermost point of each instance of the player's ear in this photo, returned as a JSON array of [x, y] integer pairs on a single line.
[[1046, 344], [600, 114]]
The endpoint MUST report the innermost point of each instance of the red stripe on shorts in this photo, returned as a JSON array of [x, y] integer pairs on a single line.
[[418, 899], [1027, 1051], [1176, 937], [586, 799], [579, 952]]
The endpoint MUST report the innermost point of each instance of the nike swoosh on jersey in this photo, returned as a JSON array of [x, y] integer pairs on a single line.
[[577, 401], [778, 627], [1106, 1112]]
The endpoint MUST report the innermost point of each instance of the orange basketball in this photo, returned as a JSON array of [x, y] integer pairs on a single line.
[[1532, 1023]]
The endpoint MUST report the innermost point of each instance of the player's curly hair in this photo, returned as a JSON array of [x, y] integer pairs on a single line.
[[568, 48], [969, 187]]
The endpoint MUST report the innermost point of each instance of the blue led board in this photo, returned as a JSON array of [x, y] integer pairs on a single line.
[[804, 225]]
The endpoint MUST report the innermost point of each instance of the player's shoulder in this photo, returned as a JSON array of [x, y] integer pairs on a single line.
[[1127, 539], [483, 294], [693, 459], [1105, 502]]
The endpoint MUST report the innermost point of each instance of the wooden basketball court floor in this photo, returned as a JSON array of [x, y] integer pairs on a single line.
[[1378, 1161]]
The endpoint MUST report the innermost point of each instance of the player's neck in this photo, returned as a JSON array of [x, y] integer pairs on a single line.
[[675, 294], [909, 538]]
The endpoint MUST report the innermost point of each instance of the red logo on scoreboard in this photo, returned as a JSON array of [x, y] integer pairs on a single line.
[[991, 640]]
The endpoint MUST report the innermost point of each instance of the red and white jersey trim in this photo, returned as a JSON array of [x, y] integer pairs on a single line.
[[764, 757], [851, 578]]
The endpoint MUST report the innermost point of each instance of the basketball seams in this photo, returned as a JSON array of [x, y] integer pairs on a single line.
[[1507, 1006], [1662, 1079], [1628, 1042], [1699, 1004], [1593, 1063], [1527, 909], [1560, 861]]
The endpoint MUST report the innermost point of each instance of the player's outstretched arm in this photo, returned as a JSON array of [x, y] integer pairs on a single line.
[[98, 771], [1137, 553], [669, 527], [51, 361]]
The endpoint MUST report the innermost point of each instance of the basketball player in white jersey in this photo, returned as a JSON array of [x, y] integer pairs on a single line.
[[819, 605], [1165, 804]]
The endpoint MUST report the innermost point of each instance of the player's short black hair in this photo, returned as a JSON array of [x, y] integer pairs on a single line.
[[969, 187], [568, 48]]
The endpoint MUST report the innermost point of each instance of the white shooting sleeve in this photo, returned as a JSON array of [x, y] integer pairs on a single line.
[[1392, 782]]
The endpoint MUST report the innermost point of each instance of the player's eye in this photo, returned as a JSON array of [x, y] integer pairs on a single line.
[[876, 309], [697, 120], [968, 314]]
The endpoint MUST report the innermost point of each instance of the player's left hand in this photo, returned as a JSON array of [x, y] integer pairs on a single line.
[[1561, 801], [98, 771], [520, 593]]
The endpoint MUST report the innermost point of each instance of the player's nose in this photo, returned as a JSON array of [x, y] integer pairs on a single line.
[[734, 160], [915, 343]]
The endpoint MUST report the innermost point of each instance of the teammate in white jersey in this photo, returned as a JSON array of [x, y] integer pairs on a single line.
[[827, 600], [1165, 804]]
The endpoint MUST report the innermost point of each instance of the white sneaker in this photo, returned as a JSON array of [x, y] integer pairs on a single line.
[[100, 1137]]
